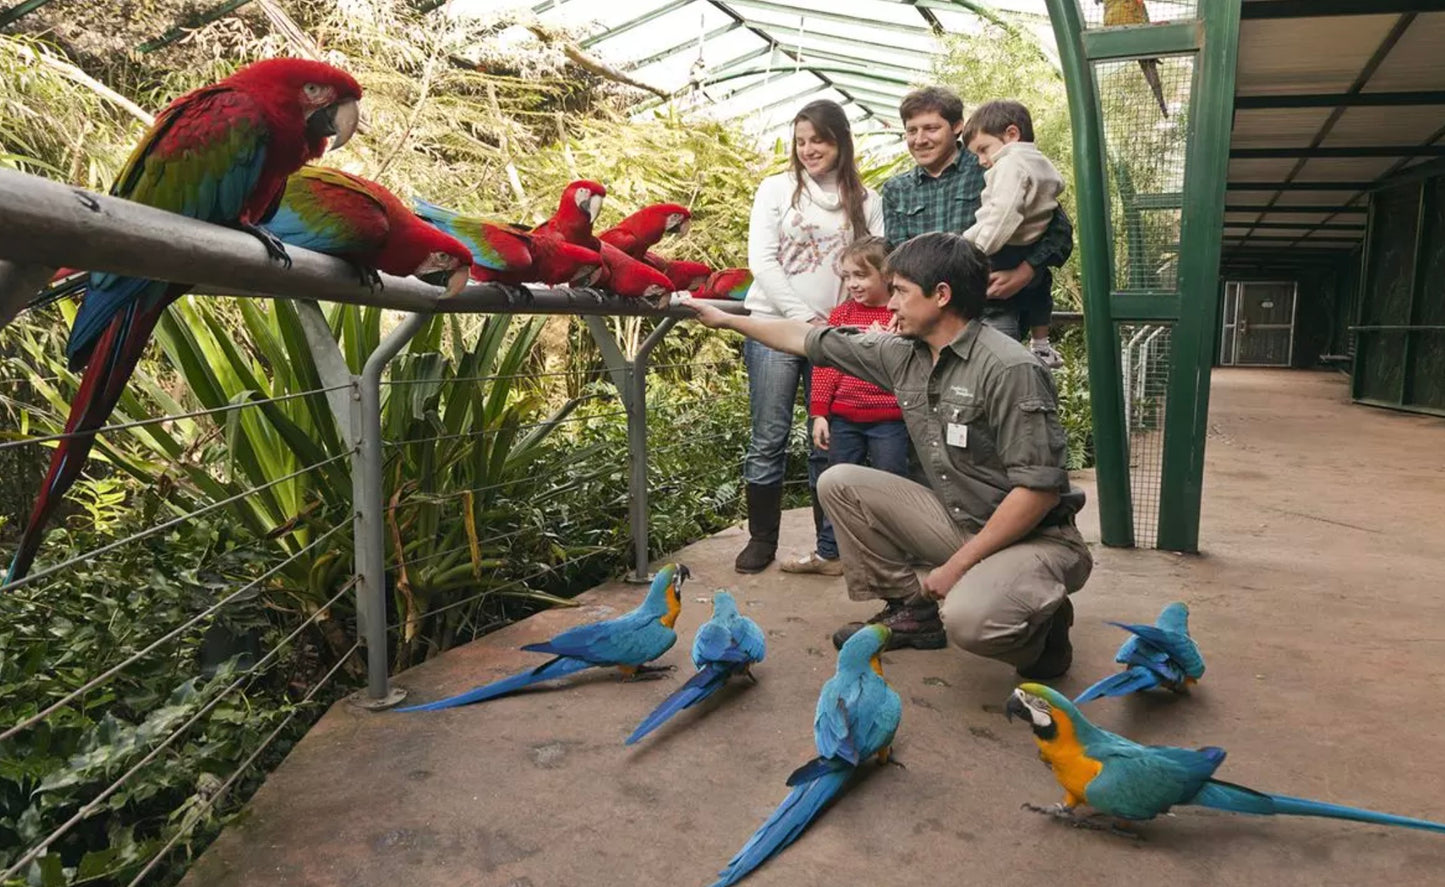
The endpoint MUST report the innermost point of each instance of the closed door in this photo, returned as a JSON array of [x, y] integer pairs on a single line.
[[1259, 323]]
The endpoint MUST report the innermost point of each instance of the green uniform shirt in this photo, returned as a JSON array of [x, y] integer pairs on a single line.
[[915, 203], [983, 420]]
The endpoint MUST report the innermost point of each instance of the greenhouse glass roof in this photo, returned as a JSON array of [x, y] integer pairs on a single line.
[[757, 61]]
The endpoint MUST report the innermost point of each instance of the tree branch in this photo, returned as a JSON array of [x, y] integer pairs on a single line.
[[591, 63]]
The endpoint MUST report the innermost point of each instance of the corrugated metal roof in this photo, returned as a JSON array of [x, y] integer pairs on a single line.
[[1340, 94]]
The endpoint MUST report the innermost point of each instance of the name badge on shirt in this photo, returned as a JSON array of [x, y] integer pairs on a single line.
[[956, 434]]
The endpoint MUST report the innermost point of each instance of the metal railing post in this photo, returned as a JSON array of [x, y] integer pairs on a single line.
[[369, 510], [637, 449]]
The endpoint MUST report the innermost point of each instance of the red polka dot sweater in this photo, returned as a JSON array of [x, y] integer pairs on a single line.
[[836, 393]]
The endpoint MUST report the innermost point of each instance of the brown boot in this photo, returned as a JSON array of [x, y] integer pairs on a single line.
[[1058, 652], [914, 621]]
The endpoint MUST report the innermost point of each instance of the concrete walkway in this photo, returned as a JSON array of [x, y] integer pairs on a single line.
[[1318, 603]]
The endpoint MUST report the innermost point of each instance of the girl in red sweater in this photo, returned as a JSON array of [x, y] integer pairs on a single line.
[[854, 421]]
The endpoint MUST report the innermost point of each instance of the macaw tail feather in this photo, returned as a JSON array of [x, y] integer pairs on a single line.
[[111, 363], [1150, 67], [60, 288], [1151, 633], [549, 670], [708, 680], [431, 212], [1238, 799], [1130, 680], [799, 808]]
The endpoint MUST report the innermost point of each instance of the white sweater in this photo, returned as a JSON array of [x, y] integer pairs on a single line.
[[793, 253], [1020, 193]]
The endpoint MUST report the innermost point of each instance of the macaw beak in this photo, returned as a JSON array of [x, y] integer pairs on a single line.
[[338, 121], [594, 207], [457, 281], [1015, 708]]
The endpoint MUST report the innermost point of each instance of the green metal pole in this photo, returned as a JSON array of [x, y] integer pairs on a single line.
[[1106, 385], [1362, 294], [1206, 171], [1417, 284]]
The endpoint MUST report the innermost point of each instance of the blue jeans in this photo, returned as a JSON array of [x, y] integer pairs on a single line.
[[882, 445], [773, 378]]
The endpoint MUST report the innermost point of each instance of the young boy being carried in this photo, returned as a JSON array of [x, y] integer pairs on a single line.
[[855, 421], [1020, 193]]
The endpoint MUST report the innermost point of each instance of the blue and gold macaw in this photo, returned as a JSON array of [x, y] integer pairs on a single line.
[[628, 642], [1158, 655], [1125, 780], [857, 715], [727, 644]]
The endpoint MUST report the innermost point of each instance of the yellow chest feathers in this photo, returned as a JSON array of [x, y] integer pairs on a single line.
[[1072, 767], [674, 607]]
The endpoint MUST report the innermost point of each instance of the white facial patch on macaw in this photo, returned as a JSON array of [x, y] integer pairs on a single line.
[[317, 95], [437, 261], [1040, 712], [589, 203]]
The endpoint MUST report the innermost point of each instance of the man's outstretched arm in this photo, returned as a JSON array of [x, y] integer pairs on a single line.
[[777, 334]]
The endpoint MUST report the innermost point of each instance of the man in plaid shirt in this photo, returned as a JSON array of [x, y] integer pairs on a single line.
[[942, 193]]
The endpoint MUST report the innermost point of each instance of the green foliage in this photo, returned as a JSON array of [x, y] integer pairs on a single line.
[[111, 609], [505, 474]]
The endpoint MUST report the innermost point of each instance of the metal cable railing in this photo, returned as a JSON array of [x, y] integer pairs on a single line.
[[85, 811], [239, 469], [158, 420], [173, 522]]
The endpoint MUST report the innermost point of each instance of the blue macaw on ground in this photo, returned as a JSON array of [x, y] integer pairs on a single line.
[[1158, 655], [627, 642], [856, 719], [1122, 779], [727, 644]]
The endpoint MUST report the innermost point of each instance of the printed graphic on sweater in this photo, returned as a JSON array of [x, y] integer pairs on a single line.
[[805, 248]]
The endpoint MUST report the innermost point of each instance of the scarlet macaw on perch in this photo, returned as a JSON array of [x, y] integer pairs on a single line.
[[221, 154], [356, 219]]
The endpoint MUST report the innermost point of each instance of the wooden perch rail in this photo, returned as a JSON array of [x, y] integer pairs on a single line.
[[48, 224]]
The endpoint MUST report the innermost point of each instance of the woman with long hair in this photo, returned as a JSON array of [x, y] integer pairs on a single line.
[[801, 221]]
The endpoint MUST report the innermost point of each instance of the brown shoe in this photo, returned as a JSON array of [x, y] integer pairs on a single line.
[[913, 621], [1058, 652], [813, 563]]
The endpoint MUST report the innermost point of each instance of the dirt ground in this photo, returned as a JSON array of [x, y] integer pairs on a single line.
[[1318, 603]]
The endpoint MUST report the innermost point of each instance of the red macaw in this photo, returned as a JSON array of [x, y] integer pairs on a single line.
[[684, 275], [729, 283], [356, 219], [642, 230], [576, 212], [221, 154], [633, 279], [513, 255]]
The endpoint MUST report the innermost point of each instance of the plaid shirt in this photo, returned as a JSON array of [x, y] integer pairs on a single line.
[[915, 203]]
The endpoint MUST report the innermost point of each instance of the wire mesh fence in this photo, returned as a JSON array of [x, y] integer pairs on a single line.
[[1145, 359], [1144, 106]]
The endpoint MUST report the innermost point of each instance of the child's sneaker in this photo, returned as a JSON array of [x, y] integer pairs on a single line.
[[1047, 355], [814, 562]]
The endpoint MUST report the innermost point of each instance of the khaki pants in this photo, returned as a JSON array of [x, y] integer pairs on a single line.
[[999, 609]]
